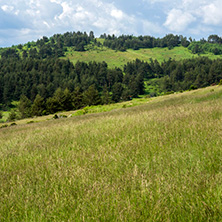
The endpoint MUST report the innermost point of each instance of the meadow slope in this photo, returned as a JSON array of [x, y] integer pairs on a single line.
[[160, 161], [118, 59]]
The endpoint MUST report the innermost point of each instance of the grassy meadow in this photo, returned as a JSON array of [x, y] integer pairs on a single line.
[[158, 161], [119, 59]]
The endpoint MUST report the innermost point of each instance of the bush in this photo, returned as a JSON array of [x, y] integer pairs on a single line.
[[79, 113], [13, 124], [193, 87], [30, 122], [1, 115], [55, 116], [12, 116], [153, 94]]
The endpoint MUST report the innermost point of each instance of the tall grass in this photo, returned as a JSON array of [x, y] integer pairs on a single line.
[[160, 161]]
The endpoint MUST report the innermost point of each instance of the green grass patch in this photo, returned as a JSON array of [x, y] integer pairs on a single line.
[[119, 59]]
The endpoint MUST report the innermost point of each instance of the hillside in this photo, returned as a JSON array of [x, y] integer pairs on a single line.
[[74, 70], [116, 51], [118, 59], [160, 161]]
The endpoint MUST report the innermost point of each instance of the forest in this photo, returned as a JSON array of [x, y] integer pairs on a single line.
[[35, 74]]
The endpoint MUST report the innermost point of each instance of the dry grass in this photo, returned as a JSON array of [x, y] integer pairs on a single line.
[[160, 161]]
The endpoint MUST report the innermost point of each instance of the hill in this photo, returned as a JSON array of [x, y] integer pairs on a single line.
[[118, 59], [64, 71], [115, 51], [160, 161]]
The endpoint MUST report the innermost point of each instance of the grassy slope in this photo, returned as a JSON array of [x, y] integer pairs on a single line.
[[160, 161], [118, 59]]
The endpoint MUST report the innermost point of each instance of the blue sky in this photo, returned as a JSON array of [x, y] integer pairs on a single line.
[[26, 20]]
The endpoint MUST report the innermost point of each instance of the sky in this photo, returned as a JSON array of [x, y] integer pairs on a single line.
[[28, 20]]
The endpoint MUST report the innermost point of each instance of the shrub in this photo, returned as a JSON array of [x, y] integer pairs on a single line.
[[220, 83], [12, 116], [30, 122], [55, 116], [193, 87], [169, 92], [13, 124]]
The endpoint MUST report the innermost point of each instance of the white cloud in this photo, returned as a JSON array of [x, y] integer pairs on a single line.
[[193, 16], [98, 16], [7, 8], [118, 14], [150, 28], [212, 13], [177, 20], [47, 17]]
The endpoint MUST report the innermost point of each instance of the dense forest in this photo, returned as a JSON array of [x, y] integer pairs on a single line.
[[54, 81], [43, 83]]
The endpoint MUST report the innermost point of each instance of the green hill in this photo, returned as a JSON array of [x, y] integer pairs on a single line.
[[116, 58], [160, 161], [112, 69]]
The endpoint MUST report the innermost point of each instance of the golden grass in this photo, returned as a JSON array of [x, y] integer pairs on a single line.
[[160, 161]]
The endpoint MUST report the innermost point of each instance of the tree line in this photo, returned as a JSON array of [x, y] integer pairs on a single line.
[[53, 47], [51, 79], [60, 85], [56, 45], [125, 42]]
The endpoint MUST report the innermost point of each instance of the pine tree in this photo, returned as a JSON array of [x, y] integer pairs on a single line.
[[117, 90], [77, 98], [67, 100], [106, 97], [91, 96], [24, 107], [38, 106]]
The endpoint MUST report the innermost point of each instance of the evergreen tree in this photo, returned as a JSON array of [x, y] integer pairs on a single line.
[[51, 105], [106, 97], [117, 90], [24, 107], [67, 100], [38, 106], [77, 98], [91, 96]]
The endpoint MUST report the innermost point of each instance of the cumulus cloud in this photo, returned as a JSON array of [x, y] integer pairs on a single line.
[[177, 20], [212, 13], [28, 20], [194, 16], [7, 8], [47, 17]]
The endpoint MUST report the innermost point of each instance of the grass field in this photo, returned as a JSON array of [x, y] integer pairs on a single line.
[[119, 59], [159, 161]]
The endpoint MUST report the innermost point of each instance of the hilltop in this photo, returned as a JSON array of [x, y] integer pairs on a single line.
[[116, 51]]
